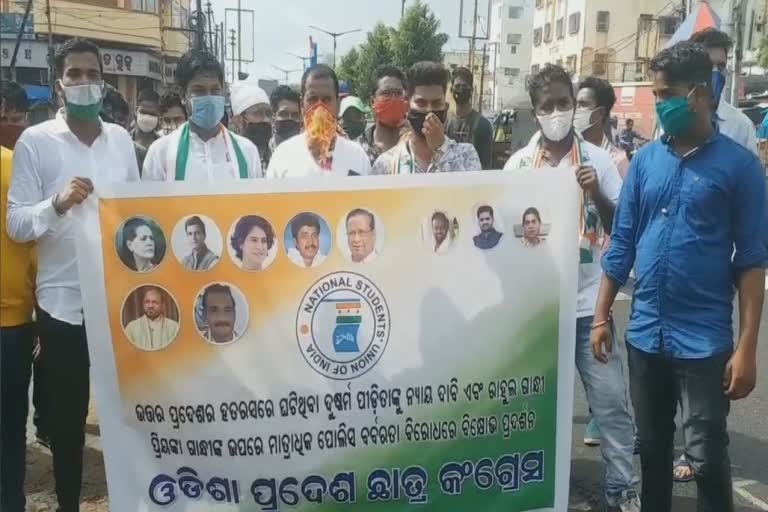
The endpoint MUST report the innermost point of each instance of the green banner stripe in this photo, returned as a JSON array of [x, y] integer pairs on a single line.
[[349, 320]]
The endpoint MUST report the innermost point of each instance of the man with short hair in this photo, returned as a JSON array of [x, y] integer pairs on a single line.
[[114, 108], [594, 101], [361, 235], [390, 108], [557, 145], [467, 124], [628, 136], [203, 149], [731, 121], [426, 148], [320, 150], [201, 257], [488, 238], [219, 314], [173, 114], [147, 120], [305, 229], [17, 302], [531, 227], [252, 116], [690, 222], [153, 330], [286, 105], [53, 167]]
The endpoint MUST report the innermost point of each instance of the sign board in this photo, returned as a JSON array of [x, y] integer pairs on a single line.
[[32, 54], [10, 24]]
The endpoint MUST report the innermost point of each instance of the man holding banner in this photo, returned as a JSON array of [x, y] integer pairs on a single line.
[[558, 146], [202, 149]]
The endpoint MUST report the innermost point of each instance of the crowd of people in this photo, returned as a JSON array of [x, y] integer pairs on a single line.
[[687, 214]]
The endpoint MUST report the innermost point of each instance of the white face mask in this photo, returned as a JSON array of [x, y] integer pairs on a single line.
[[146, 123], [83, 95], [556, 125], [581, 120]]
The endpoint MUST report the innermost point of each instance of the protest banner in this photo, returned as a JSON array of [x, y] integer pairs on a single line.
[[378, 343]]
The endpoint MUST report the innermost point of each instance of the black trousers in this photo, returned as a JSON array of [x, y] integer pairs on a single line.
[[63, 378], [15, 371], [657, 383]]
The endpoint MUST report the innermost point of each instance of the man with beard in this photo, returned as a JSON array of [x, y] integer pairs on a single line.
[[426, 148], [467, 124], [153, 330], [488, 237], [320, 150], [252, 116], [201, 257], [441, 228], [305, 229], [219, 314]]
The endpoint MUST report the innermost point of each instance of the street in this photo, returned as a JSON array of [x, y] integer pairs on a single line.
[[749, 456]]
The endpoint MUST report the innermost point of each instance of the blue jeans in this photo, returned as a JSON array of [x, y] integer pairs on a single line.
[[607, 397], [16, 369]]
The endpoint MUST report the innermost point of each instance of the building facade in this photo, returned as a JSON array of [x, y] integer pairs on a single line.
[[138, 39], [510, 61], [609, 39]]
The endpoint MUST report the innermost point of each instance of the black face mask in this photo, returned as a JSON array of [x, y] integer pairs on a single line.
[[462, 96], [287, 128], [258, 133], [416, 119], [354, 129]]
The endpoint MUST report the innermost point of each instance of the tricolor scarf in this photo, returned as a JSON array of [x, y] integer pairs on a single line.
[[178, 154]]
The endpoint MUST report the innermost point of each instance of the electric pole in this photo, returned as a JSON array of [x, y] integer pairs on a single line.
[[209, 16], [287, 72], [51, 60], [200, 28], [472, 41], [402, 9], [232, 44], [334, 35], [737, 25], [18, 38], [304, 60], [239, 38]]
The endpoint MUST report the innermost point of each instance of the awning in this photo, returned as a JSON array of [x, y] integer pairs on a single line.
[[37, 93], [702, 16]]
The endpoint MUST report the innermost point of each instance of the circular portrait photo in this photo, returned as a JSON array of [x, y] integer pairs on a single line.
[[532, 231], [307, 240], [140, 243], [150, 317], [439, 232], [490, 227], [252, 243], [221, 313], [360, 236], [197, 243]]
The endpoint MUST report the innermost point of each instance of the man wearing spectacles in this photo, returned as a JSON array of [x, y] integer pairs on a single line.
[[361, 235]]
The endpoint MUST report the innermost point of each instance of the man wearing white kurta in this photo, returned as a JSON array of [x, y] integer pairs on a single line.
[[202, 149], [153, 330]]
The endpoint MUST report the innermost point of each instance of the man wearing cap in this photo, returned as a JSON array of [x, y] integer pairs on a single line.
[[352, 113], [253, 116]]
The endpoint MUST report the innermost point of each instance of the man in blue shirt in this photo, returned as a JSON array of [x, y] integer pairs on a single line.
[[689, 220]]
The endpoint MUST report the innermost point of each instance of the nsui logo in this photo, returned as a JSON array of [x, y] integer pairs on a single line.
[[342, 325]]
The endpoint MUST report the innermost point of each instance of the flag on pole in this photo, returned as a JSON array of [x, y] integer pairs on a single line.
[[702, 16]]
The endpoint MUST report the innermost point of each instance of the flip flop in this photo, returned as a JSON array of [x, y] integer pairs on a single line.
[[682, 463]]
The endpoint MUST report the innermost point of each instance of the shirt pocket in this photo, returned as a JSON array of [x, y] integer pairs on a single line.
[[703, 205]]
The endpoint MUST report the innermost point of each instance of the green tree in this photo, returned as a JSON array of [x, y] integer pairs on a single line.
[[417, 38], [347, 69], [375, 51]]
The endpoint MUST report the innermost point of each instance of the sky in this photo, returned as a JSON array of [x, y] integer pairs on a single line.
[[284, 27]]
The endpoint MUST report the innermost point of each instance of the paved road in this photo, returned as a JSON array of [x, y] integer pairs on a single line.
[[748, 424]]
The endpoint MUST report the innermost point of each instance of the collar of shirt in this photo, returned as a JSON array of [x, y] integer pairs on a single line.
[[668, 139]]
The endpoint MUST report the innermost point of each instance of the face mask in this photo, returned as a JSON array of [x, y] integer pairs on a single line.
[[557, 125], [207, 111], [146, 123], [169, 128], [718, 85], [674, 116], [287, 128], [258, 133], [416, 119], [354, 129], [462, 96], [390, 112], [83, 101], [320, 127], [582, 119]]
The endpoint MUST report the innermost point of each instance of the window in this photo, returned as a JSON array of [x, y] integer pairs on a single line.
[[514, 38], [559, 28], [600, 64], [534, 69], [570, 63], [513, 49], [547, 32], [536, 37], [574, 20], [668, 25], [515, 13], [603, 21], [515, 72], [145, 5]]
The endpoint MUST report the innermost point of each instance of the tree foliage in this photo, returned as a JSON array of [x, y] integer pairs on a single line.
[[416, 38]]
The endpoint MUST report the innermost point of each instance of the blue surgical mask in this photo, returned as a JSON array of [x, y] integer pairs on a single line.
[[207, 111], [718, 85]]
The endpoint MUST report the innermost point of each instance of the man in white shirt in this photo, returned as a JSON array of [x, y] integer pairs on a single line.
[[320, 150], [361, 235], [153, 330], [201, 149], [305, 229], [55, 166], [558, 146], [252, 116]]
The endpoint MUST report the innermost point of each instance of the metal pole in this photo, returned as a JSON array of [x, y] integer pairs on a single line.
[[18, 37], [402, 8], [223, 42], [51, 61], [736, 24], [209, 14], [472, 41], [232, 43], [200, 43], [482, 79], [334, 52], [239, 38]]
